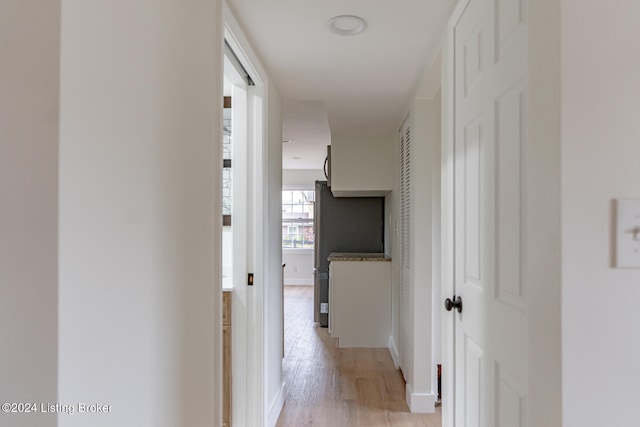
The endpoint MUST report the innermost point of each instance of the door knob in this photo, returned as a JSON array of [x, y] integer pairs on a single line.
[[456, 303]]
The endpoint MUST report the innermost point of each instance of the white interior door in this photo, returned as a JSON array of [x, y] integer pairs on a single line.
[[490, 109]]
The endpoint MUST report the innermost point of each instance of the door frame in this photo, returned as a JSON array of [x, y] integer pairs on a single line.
[[250, 368], [447, 212]]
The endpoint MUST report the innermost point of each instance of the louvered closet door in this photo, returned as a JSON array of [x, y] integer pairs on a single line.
[[406, 341]]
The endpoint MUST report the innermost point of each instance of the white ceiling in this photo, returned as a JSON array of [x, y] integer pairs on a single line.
[[341, 85], [305, 134]]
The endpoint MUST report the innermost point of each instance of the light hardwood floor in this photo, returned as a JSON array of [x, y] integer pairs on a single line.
[[332, 387]]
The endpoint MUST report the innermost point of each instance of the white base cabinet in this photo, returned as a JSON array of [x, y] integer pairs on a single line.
[[360, 303]]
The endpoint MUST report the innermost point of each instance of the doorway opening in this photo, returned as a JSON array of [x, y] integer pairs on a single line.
[[243, 238]]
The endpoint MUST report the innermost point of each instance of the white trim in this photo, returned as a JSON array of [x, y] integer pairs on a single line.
[[242, 48], [421, 403], [447, 174], [393, 349], [297, 251], [256, 363], [298, 187], [276, 406], [289, 281]]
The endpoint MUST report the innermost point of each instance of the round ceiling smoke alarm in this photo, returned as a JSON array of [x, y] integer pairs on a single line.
[[346, 25]]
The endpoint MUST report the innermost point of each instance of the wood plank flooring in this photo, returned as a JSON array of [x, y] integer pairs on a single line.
[[332, 387]]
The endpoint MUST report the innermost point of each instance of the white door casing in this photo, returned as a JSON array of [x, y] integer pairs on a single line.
[[250, 242], [489, 57]]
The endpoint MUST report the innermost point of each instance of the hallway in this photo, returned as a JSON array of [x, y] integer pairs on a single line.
[[334, 387]]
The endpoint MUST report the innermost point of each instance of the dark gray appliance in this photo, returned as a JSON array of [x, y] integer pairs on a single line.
[[342, 224]]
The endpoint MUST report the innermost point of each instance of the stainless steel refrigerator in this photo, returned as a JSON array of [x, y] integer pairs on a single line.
[[342, 224]]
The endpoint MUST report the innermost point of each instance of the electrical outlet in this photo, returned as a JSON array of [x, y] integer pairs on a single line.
[[324, 307], [295, 269]]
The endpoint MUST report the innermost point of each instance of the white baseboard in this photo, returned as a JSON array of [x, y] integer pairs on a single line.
[[276, 407], [293, 281], [423, 403], [395, 355]]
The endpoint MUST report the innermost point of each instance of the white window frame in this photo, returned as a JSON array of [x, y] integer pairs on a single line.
[[298, 187]]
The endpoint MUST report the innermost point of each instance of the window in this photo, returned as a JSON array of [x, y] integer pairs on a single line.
[[297, 219], [227, 175]]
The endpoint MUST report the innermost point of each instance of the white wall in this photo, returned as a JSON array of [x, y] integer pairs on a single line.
[[297, 177], [140, 211], [390, 219], [29, 98], [436, 230], [299, 266], [600, 152], [542, 200], [423, 333], [425, 205], [360, 165], [273, 257]]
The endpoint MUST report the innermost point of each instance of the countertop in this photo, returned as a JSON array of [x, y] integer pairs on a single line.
[[355, 256]]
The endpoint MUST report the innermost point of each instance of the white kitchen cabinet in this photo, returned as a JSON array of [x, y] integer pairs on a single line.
[[360, 301], [362, 166]]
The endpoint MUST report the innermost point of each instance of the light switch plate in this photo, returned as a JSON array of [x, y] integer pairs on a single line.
[[628, 233]]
